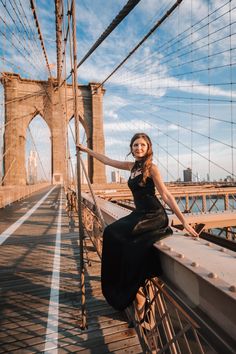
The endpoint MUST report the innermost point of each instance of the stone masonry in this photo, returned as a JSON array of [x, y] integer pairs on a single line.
[[24, 99]]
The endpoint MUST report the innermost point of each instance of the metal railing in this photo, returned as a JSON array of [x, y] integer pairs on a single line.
[[195, 204], [163, 326]]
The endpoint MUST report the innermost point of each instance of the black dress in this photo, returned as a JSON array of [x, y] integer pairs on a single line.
[[128, 256]]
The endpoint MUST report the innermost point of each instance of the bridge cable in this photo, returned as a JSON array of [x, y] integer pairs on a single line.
[[209, 99], [100, 216], [168, 13], [134, 124], [24, 26], [8, 170], [3, 59], [174, 41], [66, 35], [18, 50], [186, 128], [79, 197], [209, 93], [18, 29], [184, 145], [231, 85], [121, 15], [40, 35], [30, 27]]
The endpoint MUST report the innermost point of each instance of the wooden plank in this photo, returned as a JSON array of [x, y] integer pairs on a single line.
[[26, 260]]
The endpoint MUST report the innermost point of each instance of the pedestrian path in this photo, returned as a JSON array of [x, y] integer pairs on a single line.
[[39, 288]]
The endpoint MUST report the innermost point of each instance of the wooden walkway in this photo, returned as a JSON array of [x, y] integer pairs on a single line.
[[32, 323]]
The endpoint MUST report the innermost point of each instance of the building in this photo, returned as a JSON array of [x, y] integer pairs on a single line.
[[188, 175], [32, 167], [197, 177], [123, 179], [115, 176]]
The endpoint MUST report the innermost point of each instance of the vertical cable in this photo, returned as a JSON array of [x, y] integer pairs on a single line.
[[191, 101], [68, 157], [178, 162], [209, 96], [167, 152], [2, 119], [81, 230], [178, 101], [231, 91]]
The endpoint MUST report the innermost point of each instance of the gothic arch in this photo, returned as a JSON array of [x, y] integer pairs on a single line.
[[38, 152], [25, 98]]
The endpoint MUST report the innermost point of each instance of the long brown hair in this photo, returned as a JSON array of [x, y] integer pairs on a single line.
[[147, 160]]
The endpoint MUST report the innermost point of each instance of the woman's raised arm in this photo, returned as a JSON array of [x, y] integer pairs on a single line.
[[123, 165]]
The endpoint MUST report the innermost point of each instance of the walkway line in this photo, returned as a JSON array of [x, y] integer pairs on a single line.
[[11, 229], [51, 341]]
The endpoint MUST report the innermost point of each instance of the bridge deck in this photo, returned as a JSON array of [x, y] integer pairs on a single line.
[[39, 288]]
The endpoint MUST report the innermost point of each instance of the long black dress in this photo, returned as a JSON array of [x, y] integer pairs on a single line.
[[128, 256]]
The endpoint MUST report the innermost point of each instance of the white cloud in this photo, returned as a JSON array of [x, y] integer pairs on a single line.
[[131, 126]]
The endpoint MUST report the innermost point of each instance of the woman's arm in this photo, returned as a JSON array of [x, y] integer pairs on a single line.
[[123, 165], [169, 199]]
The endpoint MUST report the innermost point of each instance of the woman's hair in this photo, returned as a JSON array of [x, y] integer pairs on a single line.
[[147, 160]]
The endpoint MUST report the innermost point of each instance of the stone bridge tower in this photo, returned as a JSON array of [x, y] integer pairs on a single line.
[[24, 99]]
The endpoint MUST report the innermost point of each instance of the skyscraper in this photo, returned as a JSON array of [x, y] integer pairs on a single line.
[[188, 175], [32, 167], [115, 176]]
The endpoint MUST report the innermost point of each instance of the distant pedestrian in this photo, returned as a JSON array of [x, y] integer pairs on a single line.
[[128, 256]]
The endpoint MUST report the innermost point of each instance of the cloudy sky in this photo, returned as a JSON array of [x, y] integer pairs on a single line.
[[179, 86]]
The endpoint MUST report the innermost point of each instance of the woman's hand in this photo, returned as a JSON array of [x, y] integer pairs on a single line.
[[82, 148], [190, 230]]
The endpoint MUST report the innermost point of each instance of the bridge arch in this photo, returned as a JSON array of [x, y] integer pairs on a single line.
[[38, 152], [26, 98]]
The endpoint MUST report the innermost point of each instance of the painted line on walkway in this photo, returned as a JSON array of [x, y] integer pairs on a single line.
[[51, 341], [11, 229]]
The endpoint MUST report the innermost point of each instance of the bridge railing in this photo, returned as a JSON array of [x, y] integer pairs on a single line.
[[197, 206], [11, 194], [190, 199], [164, 325]]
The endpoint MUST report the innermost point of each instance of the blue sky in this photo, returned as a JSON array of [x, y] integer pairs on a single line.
[[181, 76]]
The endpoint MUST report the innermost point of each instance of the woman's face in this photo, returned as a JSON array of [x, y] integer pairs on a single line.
[[139, 148]]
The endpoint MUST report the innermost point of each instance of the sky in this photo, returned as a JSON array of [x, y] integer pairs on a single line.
[[178, 87]]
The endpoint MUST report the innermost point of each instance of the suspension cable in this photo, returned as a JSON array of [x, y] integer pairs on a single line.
[[121, 15], [187, 147], [178, 38], [159, 22], [79, 197], [18, 29], [40, 35]]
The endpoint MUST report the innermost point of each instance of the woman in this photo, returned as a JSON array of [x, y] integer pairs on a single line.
[[128, 256]]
